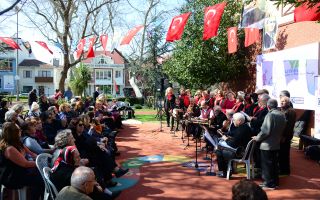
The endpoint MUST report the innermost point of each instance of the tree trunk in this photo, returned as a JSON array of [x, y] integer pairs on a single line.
[[63, 78]]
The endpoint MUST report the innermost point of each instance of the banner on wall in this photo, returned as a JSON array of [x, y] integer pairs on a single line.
[[253, 14], [292, 69], [317, 110], [8, 82]]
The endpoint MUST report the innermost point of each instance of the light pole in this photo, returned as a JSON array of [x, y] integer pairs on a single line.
[[16, 77]]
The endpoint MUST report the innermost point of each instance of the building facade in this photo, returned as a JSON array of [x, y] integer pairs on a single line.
[[108, 73]]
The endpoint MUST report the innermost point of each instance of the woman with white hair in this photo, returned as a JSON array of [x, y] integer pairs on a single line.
[[18, 108], [34, 110]]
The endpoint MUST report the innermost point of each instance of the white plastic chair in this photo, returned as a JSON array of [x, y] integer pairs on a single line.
[[52, 188], [21, 192], [247, 158], [42, 161]]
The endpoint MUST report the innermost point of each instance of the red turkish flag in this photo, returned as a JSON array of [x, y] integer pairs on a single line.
[[104, 40], [10, 42], [90, 50], [212, 17], [303, 13], [44, 45], [232, 39], [176, 27], [252, 35], [80, 47], [127, 39]]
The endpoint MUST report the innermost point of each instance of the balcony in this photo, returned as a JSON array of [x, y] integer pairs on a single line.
[[43, 79]]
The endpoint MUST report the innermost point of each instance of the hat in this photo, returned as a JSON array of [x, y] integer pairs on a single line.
[[34, 106]]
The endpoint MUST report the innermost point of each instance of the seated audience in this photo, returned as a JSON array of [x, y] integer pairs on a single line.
[[17, 167]]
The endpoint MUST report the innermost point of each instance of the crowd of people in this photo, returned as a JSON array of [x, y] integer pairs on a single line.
[[234, 119], [76, 133]]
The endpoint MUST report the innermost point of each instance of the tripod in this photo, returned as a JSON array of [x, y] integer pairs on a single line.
[[160, 112]]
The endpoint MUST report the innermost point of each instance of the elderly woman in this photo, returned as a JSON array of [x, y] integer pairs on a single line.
[[29, 138], [229, 102], [17, 167], [34, 110], [18, 108]]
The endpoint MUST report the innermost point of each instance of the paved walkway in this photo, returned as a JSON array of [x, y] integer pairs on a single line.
[[166, 178]]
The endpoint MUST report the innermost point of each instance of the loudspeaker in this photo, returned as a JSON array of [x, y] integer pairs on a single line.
[[162, 84]]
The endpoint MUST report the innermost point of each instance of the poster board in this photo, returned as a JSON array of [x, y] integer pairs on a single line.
[[293, 69]]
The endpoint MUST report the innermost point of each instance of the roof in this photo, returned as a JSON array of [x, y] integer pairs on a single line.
[[115, 56], [31, 63]]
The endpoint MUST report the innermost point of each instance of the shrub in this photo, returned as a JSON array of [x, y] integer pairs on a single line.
[[138, 106]]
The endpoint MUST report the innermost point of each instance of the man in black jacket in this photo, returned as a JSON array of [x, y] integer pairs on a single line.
[[32, 97], [239, 138]]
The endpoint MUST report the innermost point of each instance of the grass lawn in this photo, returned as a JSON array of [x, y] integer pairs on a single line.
[[146, 118]]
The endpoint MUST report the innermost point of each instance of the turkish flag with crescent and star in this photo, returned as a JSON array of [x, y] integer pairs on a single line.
[[80, 47], [44, 45], [176, 27], [232, 39], [252, 35], [303, 13], [90, 50], [104, 40], [127, 39], [10, 42], [212, 17]]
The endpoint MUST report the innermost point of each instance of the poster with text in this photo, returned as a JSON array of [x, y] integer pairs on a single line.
[[292, 69], [8, 82]]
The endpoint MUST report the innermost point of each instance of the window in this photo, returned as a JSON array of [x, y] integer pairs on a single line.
[[27, 74], [118, 74], [44, 73], [26, 89], [104, 60], [103, 74], [6, 64]]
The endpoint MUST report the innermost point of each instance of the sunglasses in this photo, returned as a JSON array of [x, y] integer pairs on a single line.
[[80, 124]]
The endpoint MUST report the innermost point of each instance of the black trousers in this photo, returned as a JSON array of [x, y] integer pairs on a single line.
[[223, 157], [284, 158], [269, 167], [168, 115]]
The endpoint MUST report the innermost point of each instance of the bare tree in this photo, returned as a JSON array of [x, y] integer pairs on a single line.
[[68, 21]]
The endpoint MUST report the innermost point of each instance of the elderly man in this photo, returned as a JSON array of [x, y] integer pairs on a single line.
[[82, 183], [241, 135], [270, 136], [285, 143]]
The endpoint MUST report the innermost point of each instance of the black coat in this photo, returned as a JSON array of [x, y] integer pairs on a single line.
[[169, 104], [240, 137], [32, 98]]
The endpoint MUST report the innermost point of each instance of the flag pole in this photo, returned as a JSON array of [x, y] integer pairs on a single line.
[[16, 77]]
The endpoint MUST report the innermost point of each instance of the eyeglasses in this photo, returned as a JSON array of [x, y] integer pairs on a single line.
[[80, 124]]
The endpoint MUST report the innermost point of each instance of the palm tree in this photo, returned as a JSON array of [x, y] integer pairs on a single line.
[[79, 80]]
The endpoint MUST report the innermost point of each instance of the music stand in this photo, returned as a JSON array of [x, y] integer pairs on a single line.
[[159, 113]]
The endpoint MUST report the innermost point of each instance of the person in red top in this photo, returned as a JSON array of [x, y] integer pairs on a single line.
[[229, 102], [58, 94], [211, 99], [218, 98], [169, 102], [239, 105], [184, 98], [197, 97]]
